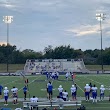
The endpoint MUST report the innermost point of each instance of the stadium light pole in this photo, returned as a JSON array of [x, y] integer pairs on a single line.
[[7, 20], [100, 17]]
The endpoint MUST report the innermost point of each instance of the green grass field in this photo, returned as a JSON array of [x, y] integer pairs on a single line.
[[37, 87]]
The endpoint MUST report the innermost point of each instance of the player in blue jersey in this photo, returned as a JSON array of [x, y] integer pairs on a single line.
[[1, 88], [50, 90], [25, 89], [76, 90]]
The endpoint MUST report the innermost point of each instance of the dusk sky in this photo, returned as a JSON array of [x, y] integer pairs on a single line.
[[39, 23]]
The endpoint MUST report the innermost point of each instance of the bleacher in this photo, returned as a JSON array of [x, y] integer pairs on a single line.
[[53, 65]]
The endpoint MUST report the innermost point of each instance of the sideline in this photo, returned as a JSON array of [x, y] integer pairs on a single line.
[[54, 98]]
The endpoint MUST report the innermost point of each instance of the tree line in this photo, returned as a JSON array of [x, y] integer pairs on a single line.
[[92, 57]]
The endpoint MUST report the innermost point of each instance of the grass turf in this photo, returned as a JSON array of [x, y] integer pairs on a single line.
[[37, 87]]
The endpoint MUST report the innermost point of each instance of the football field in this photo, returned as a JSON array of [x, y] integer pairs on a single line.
[[37, 87]]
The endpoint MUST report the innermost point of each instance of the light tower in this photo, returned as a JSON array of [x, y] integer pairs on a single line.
[[100, 17], [7, 20]]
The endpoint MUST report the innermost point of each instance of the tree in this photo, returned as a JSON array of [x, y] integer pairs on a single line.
[[59, 52], [48, 51]]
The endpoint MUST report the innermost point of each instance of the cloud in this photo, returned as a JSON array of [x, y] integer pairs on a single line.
[[7, 4], [1, 43], [90, 29], [85, 30], [35, 20]]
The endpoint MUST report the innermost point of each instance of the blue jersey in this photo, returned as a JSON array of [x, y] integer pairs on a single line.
[[24, 89], [1, 88], [47, 75], [50, 87]]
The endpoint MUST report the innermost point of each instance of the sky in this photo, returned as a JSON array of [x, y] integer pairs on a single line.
[[39, 23]]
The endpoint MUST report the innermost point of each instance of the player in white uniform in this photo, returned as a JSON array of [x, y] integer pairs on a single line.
[[57, 75], [33, 100], [53, 75], [15, 95], [60, 89], [73, 92], [67, 75], [102, 89], [94, 93], [6, 94], [87, 89], [65, 95]]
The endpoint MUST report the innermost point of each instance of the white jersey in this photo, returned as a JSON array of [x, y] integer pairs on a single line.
[[65, 94], [94, 89], [53, 74], [73, 89], [102, 90], [14, 90], [60, 89], [34, 99], [87, 88], [6, 92], [67, 74], [57, 73]]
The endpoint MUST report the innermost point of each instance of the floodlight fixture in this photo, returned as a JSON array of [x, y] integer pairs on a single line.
[[100, 17]]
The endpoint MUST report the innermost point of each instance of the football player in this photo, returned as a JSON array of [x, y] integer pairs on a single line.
[[15, 95], [102, 89], [94, 93], [60, 89], [87, 89], [73, 92], [6, 94]]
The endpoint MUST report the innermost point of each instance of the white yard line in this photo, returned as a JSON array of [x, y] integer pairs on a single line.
[[3, 79], [80, 81], [80, 88], [96, 81], [14, 80], [10, 82], [28, 84]]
